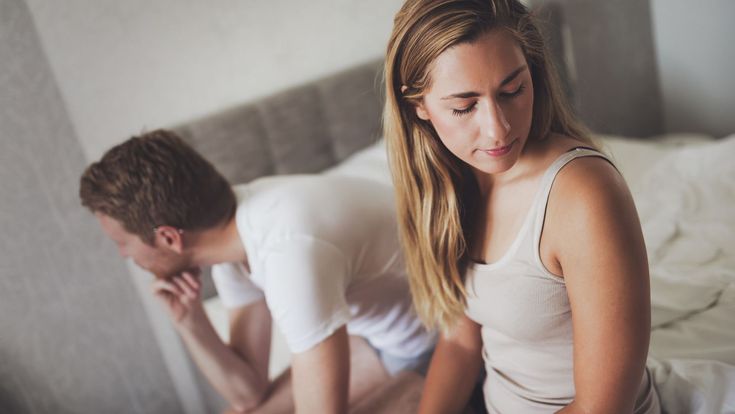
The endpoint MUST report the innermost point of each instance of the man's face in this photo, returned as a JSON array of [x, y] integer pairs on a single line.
[[158, 259]]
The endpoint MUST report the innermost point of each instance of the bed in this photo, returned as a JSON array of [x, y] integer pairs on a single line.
[[682, 184], [683, 188]]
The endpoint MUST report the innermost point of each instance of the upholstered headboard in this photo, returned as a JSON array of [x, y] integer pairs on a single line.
[[301, 130]]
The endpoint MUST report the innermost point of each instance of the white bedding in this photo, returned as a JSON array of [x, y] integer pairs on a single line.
[[684, 189], [686, 201]]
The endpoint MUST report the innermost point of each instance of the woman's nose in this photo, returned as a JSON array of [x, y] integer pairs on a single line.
[[495, 125]]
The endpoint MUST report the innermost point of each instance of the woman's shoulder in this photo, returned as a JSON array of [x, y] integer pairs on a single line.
[[589, 205], [589, 187], [555, 145], [585, 171]]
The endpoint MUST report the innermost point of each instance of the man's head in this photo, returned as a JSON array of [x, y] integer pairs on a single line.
[[149, 191]]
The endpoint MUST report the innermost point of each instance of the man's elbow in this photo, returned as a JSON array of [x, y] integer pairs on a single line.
[[246, 405], [242, 402]]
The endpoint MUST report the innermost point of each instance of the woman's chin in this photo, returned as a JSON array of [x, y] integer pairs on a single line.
[[494, 167]]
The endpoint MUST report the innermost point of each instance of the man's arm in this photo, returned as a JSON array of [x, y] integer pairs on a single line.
[[306, 292], [321, 376], [239, 371], [366, 375]]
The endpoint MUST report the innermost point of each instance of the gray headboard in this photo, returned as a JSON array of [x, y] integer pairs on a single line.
[[301, 130]]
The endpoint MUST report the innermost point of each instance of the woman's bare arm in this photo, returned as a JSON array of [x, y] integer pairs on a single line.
[[454, 369], [594, 233]]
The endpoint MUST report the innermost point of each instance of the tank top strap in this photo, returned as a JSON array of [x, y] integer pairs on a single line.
[[547, 182], [553, 170]]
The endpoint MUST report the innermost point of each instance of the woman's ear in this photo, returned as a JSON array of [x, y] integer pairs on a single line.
[[170, 237], [421, 111], [419, 106]]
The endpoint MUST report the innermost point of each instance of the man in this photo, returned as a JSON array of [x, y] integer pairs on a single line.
[[318, 254]]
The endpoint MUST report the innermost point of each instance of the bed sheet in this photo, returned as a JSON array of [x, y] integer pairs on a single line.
[[686, 202]]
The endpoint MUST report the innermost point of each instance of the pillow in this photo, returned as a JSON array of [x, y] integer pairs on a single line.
[[370, 162]]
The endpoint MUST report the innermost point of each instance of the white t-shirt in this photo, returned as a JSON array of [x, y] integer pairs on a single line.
[[323, 251]]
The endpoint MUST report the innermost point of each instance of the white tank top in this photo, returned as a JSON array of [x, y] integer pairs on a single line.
[[526, 320]]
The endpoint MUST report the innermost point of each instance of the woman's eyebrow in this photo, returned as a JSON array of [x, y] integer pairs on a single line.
[[512, 75], [505, 81]]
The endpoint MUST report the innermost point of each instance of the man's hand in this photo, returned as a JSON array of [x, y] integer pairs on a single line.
[[181, 295]]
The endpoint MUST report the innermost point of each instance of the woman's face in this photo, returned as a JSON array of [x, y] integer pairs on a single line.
[[481, 101]]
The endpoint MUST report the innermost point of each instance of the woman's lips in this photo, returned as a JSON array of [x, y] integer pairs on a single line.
[[499, 151]]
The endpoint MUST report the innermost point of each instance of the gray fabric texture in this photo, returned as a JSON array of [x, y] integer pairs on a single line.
[[301, 130]]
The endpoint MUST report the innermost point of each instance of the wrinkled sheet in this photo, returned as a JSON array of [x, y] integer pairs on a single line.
[[686, 201]]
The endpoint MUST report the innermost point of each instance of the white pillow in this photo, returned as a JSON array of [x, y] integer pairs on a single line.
[[370, 162]]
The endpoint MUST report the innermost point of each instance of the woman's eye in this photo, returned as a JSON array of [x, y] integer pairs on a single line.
[[519, 90], [464, 111]]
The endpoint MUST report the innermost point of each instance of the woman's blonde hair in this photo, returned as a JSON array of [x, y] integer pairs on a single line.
[[435, 191]]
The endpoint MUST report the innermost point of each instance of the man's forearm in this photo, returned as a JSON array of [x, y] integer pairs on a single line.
[[322, 375], [230, 374]]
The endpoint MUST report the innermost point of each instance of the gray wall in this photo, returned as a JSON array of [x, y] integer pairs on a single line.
[[73, 335], [123, 66], [696, 60], [647, 67], [607, 52]]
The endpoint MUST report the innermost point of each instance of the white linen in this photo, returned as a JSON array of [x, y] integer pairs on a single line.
[[688, 386], [370, 163], [686, 202]]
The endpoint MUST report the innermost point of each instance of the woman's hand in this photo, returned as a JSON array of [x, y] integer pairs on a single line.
[[181, 295]]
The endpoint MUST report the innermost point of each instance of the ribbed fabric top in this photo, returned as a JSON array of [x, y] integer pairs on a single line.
[[526, 320]]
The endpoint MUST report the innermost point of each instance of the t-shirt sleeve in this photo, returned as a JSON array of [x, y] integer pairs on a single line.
[[305, 285], [233, 284]]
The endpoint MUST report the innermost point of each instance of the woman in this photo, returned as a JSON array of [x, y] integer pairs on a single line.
[[522, 241]]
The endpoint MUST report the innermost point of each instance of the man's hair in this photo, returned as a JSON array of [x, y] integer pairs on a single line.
[[157, 179]]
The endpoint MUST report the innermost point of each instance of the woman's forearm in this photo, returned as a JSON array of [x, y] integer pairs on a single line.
[[449, 383], [451, 378]]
